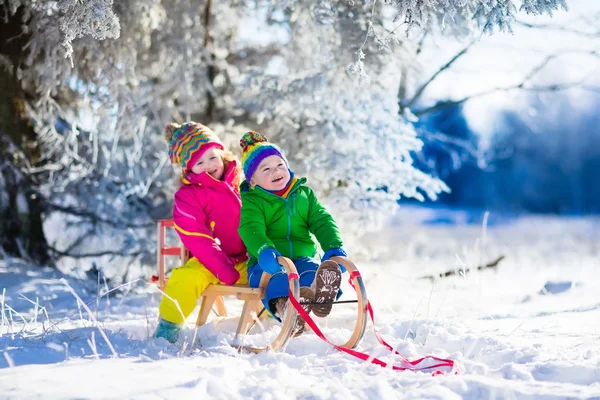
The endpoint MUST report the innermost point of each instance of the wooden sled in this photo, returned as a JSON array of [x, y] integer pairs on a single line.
[[252, 297]]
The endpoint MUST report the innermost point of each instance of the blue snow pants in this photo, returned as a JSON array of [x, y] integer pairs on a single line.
[[278, 285]]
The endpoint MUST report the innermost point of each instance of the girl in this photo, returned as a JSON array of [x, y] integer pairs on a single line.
[[206, 215]]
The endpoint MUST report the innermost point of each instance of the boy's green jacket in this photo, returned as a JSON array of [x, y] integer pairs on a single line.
[[285, 224]]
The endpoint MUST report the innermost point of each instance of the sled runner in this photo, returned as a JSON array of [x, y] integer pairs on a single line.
[[213, 296]]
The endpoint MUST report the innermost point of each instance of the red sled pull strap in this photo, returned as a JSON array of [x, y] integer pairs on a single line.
[[436, 363]]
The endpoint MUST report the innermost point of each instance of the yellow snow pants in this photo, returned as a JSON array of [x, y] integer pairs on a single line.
[[186, 285]]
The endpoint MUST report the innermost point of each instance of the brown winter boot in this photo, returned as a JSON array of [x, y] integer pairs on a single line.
[[306, 296], [279, 305], [326, 286]]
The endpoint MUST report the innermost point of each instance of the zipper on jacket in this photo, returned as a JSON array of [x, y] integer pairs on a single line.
[[289, 216], [294, 210], [289, 221]]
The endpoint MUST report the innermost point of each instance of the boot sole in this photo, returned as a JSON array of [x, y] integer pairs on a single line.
[[327, 284]]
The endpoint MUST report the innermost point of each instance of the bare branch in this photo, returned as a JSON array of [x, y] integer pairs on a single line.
[[252, 54], [444, 67], [523, 84], [77, 242], [534, 71], [421, 43], [561, 28], [120, 253], [492, 264], [93, 217], [466, 145], [548, 88]]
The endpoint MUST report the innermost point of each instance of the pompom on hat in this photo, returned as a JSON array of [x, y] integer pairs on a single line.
[[188, 141], [255, 148]]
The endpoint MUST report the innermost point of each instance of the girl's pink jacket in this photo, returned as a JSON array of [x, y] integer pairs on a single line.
[[207, 216]]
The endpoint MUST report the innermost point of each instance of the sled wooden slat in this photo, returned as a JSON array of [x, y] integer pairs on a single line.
[[361, 296], [289, 317], [236, 290]]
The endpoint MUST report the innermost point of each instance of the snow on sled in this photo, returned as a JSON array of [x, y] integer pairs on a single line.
[[251, 323]]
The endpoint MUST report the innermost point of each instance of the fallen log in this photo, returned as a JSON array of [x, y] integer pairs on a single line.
[[462, 271]]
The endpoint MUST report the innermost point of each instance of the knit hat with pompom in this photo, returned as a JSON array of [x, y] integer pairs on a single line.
[[188, 141], [256, 148]]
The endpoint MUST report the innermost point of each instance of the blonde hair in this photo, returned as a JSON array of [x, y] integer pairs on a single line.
[[228, 157]]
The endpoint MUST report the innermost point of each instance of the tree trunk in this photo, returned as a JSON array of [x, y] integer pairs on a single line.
[[212, 71], [21, 206]]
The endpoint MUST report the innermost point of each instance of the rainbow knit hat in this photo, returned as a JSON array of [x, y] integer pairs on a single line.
[[256, 148], [188, 141]]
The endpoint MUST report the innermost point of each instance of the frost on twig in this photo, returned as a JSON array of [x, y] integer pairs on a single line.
[[88, 17]]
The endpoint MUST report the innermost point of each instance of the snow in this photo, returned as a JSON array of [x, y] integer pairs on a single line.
[[528, 329]]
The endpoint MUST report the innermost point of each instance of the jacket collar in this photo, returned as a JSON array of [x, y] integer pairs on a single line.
[[246, 188], [205, 179]]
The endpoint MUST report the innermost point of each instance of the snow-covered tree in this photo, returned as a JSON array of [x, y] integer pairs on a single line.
[[100, 79]]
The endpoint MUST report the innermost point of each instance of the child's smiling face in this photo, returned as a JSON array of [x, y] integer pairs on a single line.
[[272, 173], [211, 162]]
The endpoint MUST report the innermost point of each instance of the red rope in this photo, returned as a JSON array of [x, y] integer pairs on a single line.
[[408, 365]]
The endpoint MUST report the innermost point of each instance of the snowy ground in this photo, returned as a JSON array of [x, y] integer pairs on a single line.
[[530, 329]]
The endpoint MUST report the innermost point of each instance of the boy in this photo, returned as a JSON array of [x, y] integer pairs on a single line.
[[278, 214]]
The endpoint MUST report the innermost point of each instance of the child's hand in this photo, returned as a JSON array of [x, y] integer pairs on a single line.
[[335, 252], [267, 259]]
